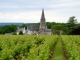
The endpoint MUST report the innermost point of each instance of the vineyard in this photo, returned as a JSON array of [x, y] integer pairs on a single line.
[[32, 47]]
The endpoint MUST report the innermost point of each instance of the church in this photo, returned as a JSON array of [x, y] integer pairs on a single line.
[[43, 27], [37, 29]]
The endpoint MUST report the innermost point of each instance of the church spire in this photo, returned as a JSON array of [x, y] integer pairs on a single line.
[[42, 12], [42, 16], [43, 21]]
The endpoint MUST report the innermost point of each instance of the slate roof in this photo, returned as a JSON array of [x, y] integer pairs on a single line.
[[20, 29], [32, 27]]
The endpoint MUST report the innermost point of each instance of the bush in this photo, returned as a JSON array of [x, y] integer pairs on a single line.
[[20, 33]]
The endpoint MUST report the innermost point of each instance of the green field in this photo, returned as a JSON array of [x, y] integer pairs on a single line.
[[33, 47]]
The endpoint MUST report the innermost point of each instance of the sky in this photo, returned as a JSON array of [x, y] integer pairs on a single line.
[[29, 11]]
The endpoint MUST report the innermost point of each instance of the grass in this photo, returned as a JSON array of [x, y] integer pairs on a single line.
[[58, 51]]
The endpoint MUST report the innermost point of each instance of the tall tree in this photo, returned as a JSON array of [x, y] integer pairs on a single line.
[[72, 22]]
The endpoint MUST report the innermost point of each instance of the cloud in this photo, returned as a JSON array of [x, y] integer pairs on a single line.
[[30, 10], [33, 16], [19, 16], [66, 4]]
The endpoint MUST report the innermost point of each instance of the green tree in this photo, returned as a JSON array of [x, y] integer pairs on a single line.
[[8, 29], [20, 33], [49, 24], [24, 25], [71, 24], [59, 27]]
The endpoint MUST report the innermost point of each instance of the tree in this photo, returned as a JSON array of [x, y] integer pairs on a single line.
[[48, 25], [24, 25], [20, 33], [72, 22], [59, 27], [13, 28], [76, 31], [9, 28]]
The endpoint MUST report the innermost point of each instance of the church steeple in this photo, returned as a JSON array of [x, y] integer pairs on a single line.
[[43, 21], [42, 16]]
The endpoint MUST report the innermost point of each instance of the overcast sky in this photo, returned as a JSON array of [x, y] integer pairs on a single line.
[[29, 11]]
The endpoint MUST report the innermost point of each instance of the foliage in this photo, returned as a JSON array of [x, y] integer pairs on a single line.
[[72, 21], [24, 25], [58, 28], [76, 31], [71, 24], [71, 46], [20, 33], [25, 47], [8, 29]]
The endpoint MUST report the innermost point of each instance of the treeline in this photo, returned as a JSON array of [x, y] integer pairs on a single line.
[[67, 28], [70, 27], [8, 29], [11, 28]]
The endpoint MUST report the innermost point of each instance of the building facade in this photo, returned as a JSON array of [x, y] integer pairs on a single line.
[[21, 29]]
